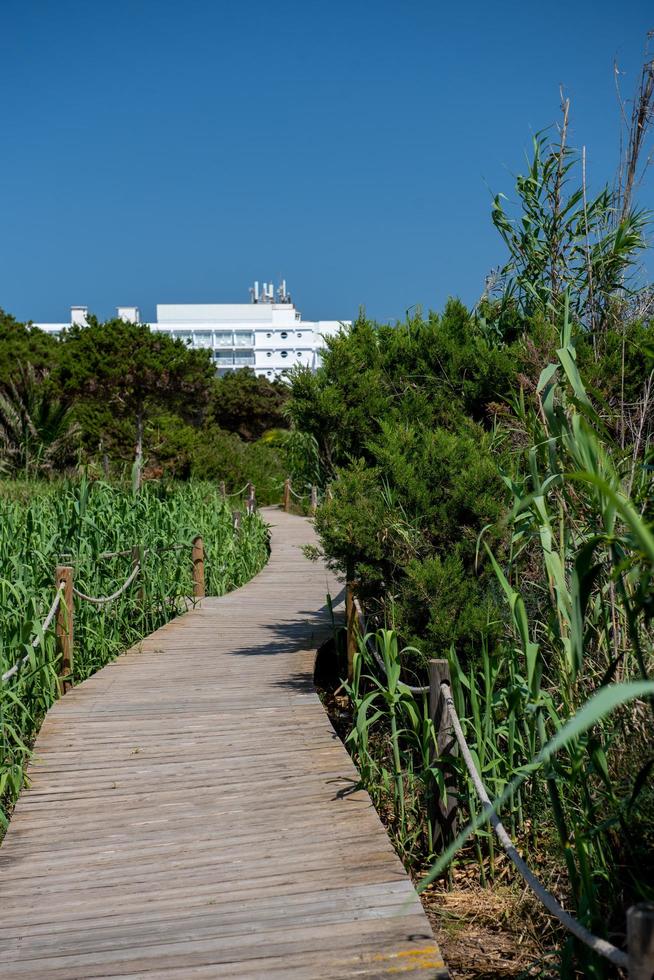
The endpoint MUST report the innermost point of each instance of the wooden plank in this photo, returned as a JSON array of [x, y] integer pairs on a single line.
[[192, 813]]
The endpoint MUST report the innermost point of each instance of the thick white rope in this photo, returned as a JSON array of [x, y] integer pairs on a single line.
[[601, 946], [101, 600], [115, 554], [130, 551], [36, 642], [237, 493]]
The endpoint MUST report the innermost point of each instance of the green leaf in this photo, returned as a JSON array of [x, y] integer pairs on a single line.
[[599, 706]]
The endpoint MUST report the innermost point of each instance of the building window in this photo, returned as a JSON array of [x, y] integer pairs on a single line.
[[268, 335], [183, 335], [243, 339], [268, 353], [299, 335], [223, 357], [299, 353], [244, 357], [223, 338], [203, 338], [284, 353], [283, 335]]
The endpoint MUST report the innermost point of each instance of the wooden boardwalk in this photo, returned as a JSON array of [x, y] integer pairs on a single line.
[[191, 812]]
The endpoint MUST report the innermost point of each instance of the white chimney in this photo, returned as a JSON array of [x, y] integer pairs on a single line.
[[130, 314], [78, 316]]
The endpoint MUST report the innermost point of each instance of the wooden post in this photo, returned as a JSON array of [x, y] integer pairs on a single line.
[[313, 506], [222, 488], [236, 520], [351, 624], [251, 504], [640, 941], [198, 568], [329, 493], [446, 809], [287, 495], [64, 626]]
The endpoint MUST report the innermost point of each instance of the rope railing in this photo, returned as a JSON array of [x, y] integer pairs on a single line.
[[238, 493], [115, 554], [127, 552], [165, 548], [102, 600], [598, 945], [66, 590], [289, 492], [38, 639], [299, 496]]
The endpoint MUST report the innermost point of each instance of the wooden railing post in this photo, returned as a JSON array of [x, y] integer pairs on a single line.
[[236, 520], [223, 489], [446, 809], [313, 505], [640, 941], [287, 495], [198, 567], [64, 626], [251, 504]]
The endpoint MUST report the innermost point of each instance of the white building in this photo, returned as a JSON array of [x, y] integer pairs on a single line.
[[267, 334]]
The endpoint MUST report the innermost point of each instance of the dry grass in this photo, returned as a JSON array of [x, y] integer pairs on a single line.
[[488, 932]]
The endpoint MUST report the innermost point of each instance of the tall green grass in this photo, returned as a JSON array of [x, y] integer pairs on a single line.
[[43, 525], [393, 742]]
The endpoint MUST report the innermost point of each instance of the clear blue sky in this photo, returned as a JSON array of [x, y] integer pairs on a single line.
[[158, 151]]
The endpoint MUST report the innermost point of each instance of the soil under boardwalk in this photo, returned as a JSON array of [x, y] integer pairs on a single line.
[[191, 812]]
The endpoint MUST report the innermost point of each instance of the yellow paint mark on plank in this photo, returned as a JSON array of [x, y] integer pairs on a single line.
[[412, 959]]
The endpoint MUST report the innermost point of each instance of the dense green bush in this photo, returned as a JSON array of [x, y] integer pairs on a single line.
[[248, 405], [403, 420]]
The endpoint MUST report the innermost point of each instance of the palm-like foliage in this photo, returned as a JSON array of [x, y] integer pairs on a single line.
[[37, 430]]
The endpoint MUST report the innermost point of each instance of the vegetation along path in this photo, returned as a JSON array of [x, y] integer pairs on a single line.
[[191, 812]]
